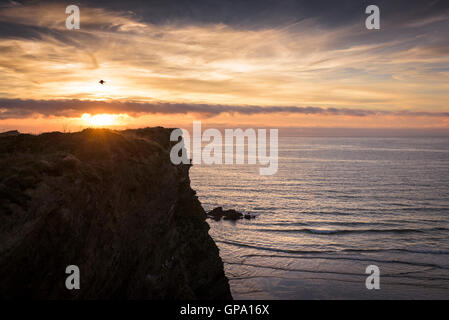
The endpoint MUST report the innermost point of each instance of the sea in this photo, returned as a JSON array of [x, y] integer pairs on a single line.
[[335, 207]]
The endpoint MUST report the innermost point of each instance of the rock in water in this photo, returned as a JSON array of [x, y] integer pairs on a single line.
[[218, 213], [111, 203]]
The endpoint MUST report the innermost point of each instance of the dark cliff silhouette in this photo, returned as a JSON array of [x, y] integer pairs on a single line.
[[111, 203]]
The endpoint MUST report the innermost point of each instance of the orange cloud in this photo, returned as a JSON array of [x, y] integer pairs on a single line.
[[301, 64]]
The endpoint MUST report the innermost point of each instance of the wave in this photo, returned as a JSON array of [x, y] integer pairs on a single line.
[[344, 273], [424, 251], [354, 258], [327, 223], [387, 250], [351, 231], [244, 245]]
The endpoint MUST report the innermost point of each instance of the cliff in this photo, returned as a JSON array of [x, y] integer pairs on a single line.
[[111, 203]]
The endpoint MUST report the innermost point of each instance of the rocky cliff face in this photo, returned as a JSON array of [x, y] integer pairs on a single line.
[[111, 203]]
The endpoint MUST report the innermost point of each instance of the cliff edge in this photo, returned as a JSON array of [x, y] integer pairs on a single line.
[[111, 203]]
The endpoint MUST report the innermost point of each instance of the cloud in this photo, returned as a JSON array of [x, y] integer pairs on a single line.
[[222, 62], [257, 14], [17, 108], [10, 4]]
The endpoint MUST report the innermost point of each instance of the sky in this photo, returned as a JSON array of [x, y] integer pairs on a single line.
[[288, 64]]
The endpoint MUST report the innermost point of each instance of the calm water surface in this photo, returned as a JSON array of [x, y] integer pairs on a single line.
[[335, 206]]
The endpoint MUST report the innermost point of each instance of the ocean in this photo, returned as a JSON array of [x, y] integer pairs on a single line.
[[335, 206]]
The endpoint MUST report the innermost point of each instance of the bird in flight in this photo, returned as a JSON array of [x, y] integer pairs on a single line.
[[102, 81]]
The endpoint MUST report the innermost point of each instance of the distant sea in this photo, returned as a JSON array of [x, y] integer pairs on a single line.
[[335, 206]]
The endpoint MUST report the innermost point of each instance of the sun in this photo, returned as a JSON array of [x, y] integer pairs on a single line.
[[100, 120]]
